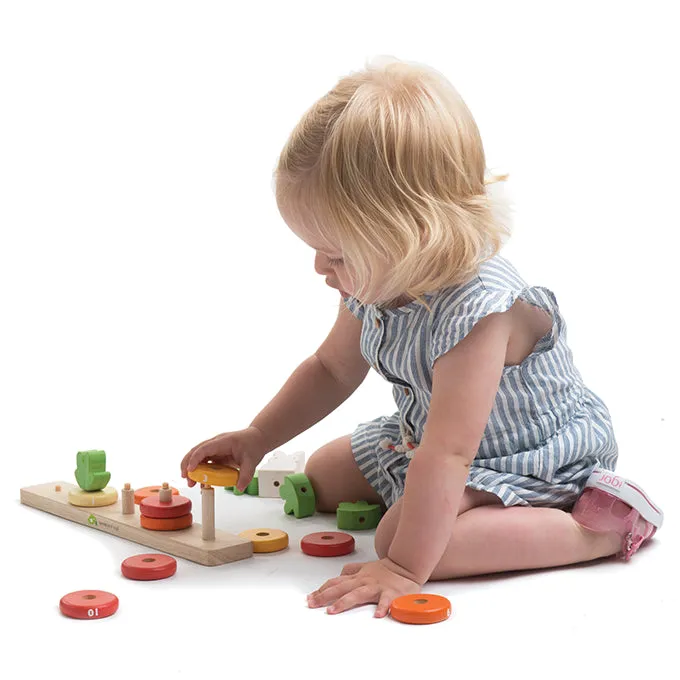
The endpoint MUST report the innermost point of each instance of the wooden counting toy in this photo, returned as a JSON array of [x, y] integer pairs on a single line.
[[359, 515], [298, 494], [165, 522], [420, 608], [88, 604], [175, 535], [91, 473], [274, 471]]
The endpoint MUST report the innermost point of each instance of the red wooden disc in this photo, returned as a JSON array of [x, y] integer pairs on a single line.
[[149, 567], [327, 544], [88, 604], [151, 506], [171, 524]]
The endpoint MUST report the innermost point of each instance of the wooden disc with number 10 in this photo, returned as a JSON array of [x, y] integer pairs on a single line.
[[88, 604]]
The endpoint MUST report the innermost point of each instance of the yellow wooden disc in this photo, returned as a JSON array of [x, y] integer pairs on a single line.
[[107, 496], [266, 540], [214, 474]]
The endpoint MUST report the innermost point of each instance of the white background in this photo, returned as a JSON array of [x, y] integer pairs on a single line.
[[152, 297]]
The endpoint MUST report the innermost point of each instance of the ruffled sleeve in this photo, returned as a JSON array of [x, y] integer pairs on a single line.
[[453, 323]]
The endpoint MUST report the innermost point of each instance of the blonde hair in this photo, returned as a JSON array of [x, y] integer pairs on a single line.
[[389, 166]]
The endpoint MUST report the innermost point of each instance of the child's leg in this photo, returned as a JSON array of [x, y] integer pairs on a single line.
[[488, 538], [335, 476], [494, 538], [612, 516]]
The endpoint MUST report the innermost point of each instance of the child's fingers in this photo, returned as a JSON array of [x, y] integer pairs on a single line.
[[331, 583], [200, 453], [383, 607], [362, 595], [352, 568], [245, 474], [333, 590]]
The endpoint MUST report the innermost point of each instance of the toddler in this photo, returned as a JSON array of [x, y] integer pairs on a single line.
[[498, 456]]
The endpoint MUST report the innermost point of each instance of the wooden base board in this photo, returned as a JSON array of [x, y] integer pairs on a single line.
[[186, 543]]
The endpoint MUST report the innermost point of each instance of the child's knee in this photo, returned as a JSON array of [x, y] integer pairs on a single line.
[[326, 470]]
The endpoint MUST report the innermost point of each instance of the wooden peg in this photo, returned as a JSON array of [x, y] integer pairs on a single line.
[[128, 495], [165, 494], [207, 512]]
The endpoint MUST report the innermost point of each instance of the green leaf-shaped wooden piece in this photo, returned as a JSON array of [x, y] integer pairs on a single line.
[[359, 515], [91, 473], [253, 488], [298, 493]]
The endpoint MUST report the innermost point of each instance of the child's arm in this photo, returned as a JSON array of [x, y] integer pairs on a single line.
[[318, 385], [464, 387]]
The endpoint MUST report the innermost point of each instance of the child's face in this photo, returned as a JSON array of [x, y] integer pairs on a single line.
[[328, 261]]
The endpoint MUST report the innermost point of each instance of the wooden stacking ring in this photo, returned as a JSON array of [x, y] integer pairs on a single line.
[[152, 506], [149, 491], [420, 608], [266, 540], [88, 604], [93, 499], [214, 474], [149, 567], [171, 524], [327, 544]]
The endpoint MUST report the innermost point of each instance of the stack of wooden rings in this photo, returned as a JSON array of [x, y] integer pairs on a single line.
[[166, 511]]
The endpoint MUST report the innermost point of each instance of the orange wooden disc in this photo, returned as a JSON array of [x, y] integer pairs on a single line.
[[148, 567], [151, 491], [151, 506], [88, 604], [420, 608], [170, 524]]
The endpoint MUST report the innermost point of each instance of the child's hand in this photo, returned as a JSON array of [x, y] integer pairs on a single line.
[[362, 583], [243, 449]]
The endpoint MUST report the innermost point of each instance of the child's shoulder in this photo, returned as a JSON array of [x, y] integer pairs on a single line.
[[497, 279]]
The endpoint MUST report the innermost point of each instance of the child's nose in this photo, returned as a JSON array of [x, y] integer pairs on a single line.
[[319, 266]]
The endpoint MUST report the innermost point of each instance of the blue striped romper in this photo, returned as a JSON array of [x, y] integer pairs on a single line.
[[546, 431]]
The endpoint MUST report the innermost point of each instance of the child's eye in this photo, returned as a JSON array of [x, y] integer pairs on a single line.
[[335, 262]]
